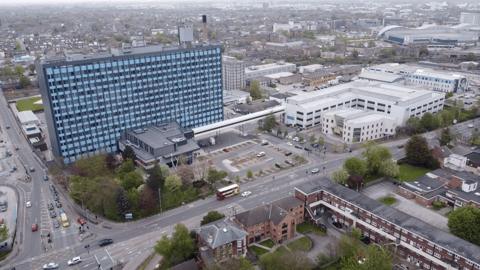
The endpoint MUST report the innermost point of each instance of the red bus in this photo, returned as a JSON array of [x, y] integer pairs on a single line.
[[227, 191]]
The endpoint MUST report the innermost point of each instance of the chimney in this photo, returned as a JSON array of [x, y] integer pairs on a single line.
[[204, 28]]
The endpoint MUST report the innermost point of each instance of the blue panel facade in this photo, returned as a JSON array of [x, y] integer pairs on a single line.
[[90, 102]]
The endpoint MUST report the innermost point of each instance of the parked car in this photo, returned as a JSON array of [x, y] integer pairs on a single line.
[[28, 204], [264, 142], [8, 127], [50, 206], [315, 145], [34, 227], [58, 204], [81, 221], [56, 224], [470, 125], [32, 169], [315, 170], [289, 162], [261, 154], [50, 266], [105, 242], [74, 260], [45, 177], [288, 154], [53, 214], [296, 139]]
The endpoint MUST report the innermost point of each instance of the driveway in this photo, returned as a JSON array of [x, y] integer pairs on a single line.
[[405, 205], [322, 244]]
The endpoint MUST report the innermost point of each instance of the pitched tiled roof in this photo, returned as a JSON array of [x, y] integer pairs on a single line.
[[220, 232], [276, 212]]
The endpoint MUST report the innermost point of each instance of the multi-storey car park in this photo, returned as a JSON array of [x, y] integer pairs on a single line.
[[91, 99], [412, 239]]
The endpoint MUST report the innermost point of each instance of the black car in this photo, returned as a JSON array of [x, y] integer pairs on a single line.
[[315, 145], [105, 242], [53, 214], [50, 206], [288, 154], [58, 204]]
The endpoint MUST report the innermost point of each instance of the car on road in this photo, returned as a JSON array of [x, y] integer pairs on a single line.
[[288, 154], [400, 146], [315, 170], [470, 125], [34, 227], [32, 169], [45, 177], [50, 206], [261, 154], [246, 193], [50, 266], [81, 221], [55, 196], [296, 139], [74, 260], [58, 204], [315, 145], [8, 127], [28, 204], [56, 224], [264, 142], [53, 214], [105, 242], [289, 143]]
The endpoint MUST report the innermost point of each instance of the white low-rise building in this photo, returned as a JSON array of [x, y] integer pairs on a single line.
[[354, 125], [253, 72], [397, 103], [426, 78]]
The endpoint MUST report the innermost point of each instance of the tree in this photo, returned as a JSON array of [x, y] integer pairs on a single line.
[[215, 176], [19, 70], [414, 126], [255, 91], [3, 232], [186, 174], [211, 217], [373, 257], [355, 166], [123, 204], [173, 182], [321, 141], [285, 261], [156, 177], [126, 167], [312, 138], [31, 68], [148, 201], [131, 180], [110, 161], [389, 168], [269, 123], [340, 176], [464, 223], [128, 153], [178, 248], [445, 136], [355, 182], [429, 122], [375, 155], [249, 174], [417, 152], [24, 81]]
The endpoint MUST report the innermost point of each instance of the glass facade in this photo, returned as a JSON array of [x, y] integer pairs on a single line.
[[90, 102]]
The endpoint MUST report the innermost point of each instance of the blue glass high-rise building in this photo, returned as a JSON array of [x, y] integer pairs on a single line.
[[90, 100]]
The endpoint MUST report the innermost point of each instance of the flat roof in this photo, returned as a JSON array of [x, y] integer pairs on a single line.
[[279, 75], [26, 117], [252, 69]]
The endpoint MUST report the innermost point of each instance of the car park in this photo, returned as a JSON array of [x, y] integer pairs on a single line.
[[246, 193], [315, 170], [74, 261], [261, 154], [105, 242], [50, 266]]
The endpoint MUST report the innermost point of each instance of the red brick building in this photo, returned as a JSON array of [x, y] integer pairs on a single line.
[[276, 221], [415, 240]]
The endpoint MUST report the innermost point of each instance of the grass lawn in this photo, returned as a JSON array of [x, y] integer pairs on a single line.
[[301, 244], [410, 173], [267, 243], [388, 200], [28, 105], [308, 228], [258, 250]]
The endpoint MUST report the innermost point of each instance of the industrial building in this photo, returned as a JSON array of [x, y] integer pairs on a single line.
[[426, 78], [90, 100], [254, 72], [395, 102]]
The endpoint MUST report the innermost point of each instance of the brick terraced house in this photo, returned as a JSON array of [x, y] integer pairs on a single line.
[[415, 240], [276, 221]]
